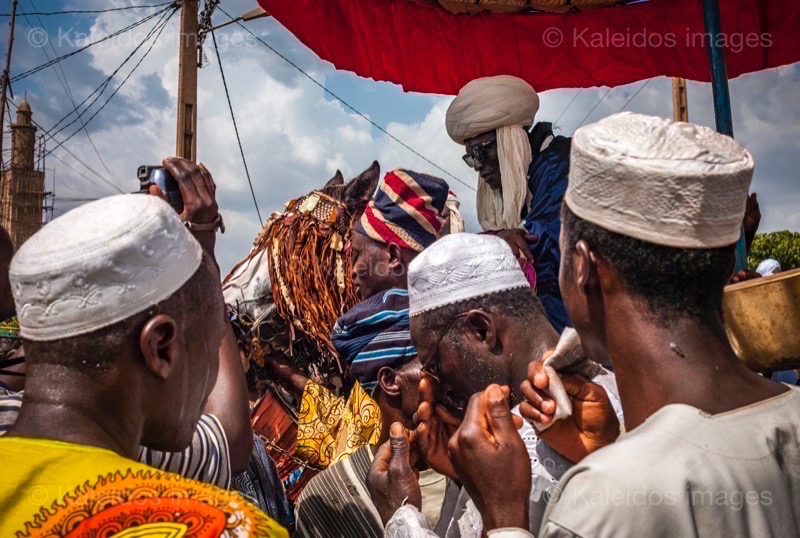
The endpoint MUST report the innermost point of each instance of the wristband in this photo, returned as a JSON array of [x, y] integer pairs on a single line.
[[213, 226]]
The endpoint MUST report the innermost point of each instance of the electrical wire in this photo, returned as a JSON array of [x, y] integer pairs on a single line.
[[594, 108], [555, 123], [646, 82], [62, 79], [121, 84], [77, 51], [235, 127], [85, 11], [98, 92], [346, 104], [95, 172]]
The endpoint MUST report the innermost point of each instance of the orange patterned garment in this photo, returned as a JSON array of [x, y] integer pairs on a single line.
[[330, 428], [55, 489]]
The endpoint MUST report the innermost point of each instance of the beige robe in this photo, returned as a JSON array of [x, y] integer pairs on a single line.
[[684, 473]]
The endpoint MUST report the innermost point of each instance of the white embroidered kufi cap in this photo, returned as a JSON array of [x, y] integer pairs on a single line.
[[669, 183], [100, 264], [459, 267]]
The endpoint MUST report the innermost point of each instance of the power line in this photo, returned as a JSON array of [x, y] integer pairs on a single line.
[[594, 108], [235, 127], [98, 92], [165, 16], [77, 51], [555, 123], [65, 84], [121, 84], [95, 172], [646, 82], [87, 178], [345, 103], [86, 11]]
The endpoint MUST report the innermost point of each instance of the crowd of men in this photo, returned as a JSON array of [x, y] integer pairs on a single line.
[[565, 373]]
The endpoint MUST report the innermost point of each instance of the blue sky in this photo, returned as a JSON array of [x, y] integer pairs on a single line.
[[295, 136]]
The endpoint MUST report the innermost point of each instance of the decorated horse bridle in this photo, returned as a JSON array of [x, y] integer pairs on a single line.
[[302, 244]]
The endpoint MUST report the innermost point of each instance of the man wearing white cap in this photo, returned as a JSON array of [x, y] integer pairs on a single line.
[[651, 218], [121, 315], [475, 321], [522, 174]]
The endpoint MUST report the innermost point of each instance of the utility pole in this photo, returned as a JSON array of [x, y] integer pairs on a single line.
[[4, 79], [680, 100], [186, 139]]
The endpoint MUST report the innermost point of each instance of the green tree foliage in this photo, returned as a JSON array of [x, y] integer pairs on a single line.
[[783, 246]]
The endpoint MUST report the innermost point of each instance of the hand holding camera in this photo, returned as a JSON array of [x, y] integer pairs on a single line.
[[191, 191]]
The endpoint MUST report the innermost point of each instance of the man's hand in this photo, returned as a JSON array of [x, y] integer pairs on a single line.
[[592, 425], [289, 375], [742, 276], [752, 219], [518, 239], [199, 196], [434, 427], [391, 480], [492, 461]]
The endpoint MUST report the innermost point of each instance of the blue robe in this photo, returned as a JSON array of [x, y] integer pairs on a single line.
[[547, 182]]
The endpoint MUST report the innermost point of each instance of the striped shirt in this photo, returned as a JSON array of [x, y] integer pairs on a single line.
[[336, 502], [205, 459]]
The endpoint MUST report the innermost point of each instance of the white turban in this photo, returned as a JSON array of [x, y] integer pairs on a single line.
[[672, 184], [100, 264], [456, 220], [502, 103]]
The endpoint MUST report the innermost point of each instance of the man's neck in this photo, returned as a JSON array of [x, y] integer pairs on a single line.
[[684, 362], [79, 414]]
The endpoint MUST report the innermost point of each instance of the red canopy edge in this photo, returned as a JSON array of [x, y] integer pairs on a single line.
[[427, 49]]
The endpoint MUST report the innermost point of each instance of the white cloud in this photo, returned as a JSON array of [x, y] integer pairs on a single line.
[[295, 136]]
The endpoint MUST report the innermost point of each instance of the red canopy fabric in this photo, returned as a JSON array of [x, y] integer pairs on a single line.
[[427, 49]]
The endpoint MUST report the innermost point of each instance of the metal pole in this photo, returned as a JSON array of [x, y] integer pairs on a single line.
[[186, 139], [719, 70], [5, 77]]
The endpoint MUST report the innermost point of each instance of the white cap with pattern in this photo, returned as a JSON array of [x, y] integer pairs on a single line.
[[100, 264], [668, 183], [459, 267]]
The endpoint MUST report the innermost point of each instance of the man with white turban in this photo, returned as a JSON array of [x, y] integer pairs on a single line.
[[522, 171]]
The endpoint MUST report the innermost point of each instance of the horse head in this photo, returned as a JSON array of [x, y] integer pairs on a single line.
[[285, 296]]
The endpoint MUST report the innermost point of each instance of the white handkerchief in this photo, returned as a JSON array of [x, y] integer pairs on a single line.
[[567, 358]]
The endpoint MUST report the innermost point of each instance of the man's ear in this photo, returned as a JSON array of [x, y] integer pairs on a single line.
[[584, 267], [158, 342], [395, 256], [388, 379], [481, 328]]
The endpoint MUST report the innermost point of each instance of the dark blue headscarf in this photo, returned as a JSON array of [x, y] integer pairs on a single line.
[[373, 334]]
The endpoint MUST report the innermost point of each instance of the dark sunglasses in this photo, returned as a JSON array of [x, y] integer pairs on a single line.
[[478, 153], [431, 366]]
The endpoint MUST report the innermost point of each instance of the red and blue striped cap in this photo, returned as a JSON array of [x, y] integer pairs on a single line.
[[405, 210]]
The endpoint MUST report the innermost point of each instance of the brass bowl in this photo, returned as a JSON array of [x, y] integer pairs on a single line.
[[762, 319]]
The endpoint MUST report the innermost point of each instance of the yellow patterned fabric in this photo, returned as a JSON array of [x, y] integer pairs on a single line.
[[53, 489], [330, 428]]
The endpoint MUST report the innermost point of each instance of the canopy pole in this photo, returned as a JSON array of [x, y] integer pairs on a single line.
[[719, 70], [722, 96], [680, 101]]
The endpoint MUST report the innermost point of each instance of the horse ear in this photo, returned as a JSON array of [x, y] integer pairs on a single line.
[[335, 181], [360, 189]]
